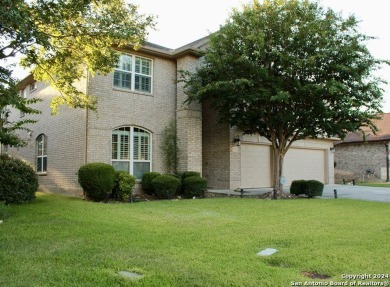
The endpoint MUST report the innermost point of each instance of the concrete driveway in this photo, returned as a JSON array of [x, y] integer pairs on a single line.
[[381, 194]]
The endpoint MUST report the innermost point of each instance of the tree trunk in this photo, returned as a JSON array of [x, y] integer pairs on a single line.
[[278, 154]]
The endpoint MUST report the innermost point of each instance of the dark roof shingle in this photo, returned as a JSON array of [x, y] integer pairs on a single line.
[[383, 133]]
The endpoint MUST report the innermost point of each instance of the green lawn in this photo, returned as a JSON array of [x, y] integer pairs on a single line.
[[384, 184], [62, 241]]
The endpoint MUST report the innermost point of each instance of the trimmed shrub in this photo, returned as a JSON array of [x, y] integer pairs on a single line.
[[310, 188], [147, 179], [314, 188], [18, 181], [194, 186], [4, 210], [186, 174], [97, 179], [124, 185], [179, 176], [298, 187], [165, 186]]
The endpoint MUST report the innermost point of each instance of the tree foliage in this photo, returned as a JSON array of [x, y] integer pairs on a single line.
[[60, 40], [288, 70], [9, 97], [170, 148]]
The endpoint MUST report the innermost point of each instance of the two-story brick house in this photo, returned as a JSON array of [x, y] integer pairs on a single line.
[[135, 104]]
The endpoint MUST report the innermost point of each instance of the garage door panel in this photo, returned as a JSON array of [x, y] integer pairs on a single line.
[[255, 166], [304, 164]]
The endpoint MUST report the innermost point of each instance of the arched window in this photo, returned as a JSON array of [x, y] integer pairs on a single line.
[[41, 149], [131, 150]]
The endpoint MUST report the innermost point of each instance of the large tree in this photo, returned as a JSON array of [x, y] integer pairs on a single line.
[[288, 70], [59, 40]]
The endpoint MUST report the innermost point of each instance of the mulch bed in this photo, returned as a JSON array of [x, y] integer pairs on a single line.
[[267, 195], [146, 197]]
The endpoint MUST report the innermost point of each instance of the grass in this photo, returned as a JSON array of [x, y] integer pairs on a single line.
[[62, 241], [376, 184]]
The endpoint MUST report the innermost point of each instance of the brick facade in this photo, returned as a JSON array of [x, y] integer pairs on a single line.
[[188, 122], [77, 136], [361, 161], [365, 158], [65, 134]]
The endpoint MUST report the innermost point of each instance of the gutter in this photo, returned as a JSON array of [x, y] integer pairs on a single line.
[[86, 122]]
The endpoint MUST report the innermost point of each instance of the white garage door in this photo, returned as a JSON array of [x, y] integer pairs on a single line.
[[304, 164], [255, 165]]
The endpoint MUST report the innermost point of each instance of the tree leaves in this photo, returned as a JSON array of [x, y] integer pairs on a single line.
[[63, 40], [287, 70]]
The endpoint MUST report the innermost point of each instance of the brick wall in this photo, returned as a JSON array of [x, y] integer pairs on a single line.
[[353, 160], [216, 149], [116, 108], [68, 147], [188, 123], [65, 134]]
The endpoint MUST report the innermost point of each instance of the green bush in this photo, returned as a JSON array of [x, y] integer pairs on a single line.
[[298, 187], [310, 188], [124, 185], [4, 210], [314, 188], [18, 181], [165, 186], [183, 175], [147, 179], [194, 186], [189, 174], [97, 179]]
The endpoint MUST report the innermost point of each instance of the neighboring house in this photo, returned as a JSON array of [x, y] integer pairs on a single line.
[[135, 104], [364, 159]]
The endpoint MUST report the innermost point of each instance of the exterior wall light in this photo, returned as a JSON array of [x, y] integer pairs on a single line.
[[332, 149], [237, 140]]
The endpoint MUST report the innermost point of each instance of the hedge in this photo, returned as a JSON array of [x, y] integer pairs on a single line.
[[194, 186], [165, 186], [18, 181], [310, 188], [97, 179], [147, 179], [124, 186]]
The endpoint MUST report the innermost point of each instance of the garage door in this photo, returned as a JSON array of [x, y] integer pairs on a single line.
[[255, 165], [304, 164]]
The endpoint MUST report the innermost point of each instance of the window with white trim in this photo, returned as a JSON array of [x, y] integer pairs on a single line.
[[33, 87], [133, 73], [41, 149], [132, 150]]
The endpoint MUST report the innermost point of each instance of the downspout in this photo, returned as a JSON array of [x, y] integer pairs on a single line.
[[387, 162]]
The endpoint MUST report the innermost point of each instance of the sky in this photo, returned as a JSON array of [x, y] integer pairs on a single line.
[[180, 22]]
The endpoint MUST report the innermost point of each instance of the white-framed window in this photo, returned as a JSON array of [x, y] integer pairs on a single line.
[[131, 150], [41, 150], [133, 73], [33, 87]]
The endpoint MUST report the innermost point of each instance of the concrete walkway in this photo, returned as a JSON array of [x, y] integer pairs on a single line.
[[380, 194]]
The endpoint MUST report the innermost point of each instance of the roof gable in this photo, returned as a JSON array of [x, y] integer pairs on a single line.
[[383, 134]]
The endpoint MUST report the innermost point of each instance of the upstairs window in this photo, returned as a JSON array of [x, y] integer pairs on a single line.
[[133, 73], [33, 87]]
